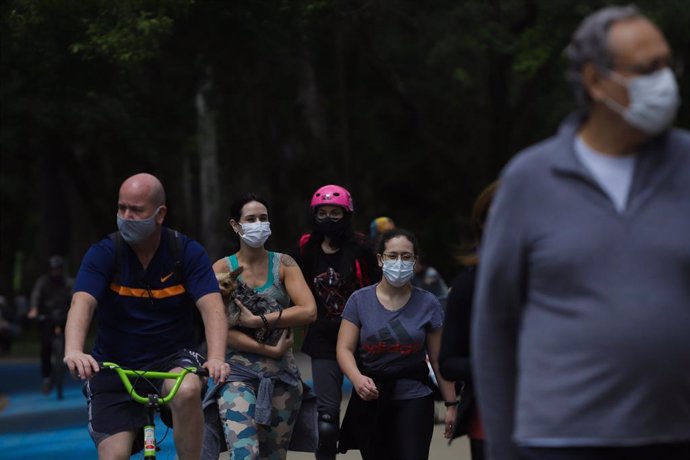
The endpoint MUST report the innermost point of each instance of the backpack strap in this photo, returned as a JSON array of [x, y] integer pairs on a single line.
[[303, 240], [358, 272], [174, 242], [117, 240]]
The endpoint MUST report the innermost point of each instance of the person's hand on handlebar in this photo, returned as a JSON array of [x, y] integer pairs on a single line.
[[81, 365], [218, 369]]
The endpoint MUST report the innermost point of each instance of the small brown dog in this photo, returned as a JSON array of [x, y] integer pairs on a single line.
[[231, 288], [228, 285], [228, 281]]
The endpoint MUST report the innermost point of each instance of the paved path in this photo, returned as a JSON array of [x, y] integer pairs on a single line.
[[33, 425]]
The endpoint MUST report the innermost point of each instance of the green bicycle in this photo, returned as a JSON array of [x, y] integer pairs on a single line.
[[152, 401]]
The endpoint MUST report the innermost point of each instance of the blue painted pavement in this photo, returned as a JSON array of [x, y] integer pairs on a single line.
[[34, 425]]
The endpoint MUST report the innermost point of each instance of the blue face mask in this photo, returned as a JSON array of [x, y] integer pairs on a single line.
[[398, 272], [136, 231]]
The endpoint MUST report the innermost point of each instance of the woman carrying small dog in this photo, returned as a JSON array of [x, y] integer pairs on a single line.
[[261, 371]]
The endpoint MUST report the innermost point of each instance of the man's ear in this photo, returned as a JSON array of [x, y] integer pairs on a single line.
[[592, 79], [162, 212]]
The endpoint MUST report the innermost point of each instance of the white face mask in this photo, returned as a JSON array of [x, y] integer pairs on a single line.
[[255, 234], [654, 100], [398, 272]]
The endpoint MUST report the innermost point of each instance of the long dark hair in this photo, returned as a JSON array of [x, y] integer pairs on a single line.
[[350, 243], [238, 204]]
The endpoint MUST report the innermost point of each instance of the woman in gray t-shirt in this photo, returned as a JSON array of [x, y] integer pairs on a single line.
[[387, 331]]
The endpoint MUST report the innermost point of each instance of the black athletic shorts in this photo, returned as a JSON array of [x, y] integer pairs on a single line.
[[112, 410]]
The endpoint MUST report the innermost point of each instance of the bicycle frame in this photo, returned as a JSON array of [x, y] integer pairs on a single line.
[[152, 401]]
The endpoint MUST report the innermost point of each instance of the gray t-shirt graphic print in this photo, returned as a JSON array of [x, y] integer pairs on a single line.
[[393, 340]]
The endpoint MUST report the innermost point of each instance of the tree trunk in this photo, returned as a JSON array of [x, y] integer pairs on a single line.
[[343, 116], [310, 99], [208, 167], [188, 224]]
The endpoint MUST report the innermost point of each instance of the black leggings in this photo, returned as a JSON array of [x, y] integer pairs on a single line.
[[328, 381], [403, 431], [477, 449]]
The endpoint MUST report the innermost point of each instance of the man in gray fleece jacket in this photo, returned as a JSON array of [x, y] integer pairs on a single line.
[[581, 330]]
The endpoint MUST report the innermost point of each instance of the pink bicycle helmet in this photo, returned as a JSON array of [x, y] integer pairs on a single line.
[[333, 195]]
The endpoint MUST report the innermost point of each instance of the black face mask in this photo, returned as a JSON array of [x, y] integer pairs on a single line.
[[331, 228]]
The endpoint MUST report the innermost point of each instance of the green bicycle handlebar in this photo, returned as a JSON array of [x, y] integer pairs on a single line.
[[125, 374]]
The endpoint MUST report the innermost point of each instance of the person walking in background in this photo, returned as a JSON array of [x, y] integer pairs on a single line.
[[259, 425], [386, 333], [379, 226], [580, 331], [454, 358], [428, 278], [335, 261], [49, 302], [144, 299]]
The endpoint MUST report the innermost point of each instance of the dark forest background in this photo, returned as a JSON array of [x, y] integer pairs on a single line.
[[414, 106]]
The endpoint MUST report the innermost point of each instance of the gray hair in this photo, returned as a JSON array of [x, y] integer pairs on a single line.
[[590, 44]]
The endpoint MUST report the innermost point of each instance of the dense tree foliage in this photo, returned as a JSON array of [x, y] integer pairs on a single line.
[[414, 106]]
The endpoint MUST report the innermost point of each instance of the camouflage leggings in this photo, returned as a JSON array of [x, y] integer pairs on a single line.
[[245, 438]]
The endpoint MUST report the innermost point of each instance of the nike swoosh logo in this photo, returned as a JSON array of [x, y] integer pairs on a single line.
[[166, 277]]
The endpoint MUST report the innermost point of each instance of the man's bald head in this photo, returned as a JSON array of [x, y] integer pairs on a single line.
[[145, 185], [141, 196]]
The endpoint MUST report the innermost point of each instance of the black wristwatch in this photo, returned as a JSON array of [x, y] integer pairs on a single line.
[[451, 403]]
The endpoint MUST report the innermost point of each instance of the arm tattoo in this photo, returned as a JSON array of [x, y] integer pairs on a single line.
[[287, 260]]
